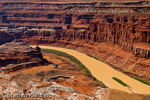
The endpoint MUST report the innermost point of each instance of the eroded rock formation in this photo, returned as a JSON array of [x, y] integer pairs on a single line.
[[17, 55]]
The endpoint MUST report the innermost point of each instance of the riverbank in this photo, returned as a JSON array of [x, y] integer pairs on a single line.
[[104, 73]]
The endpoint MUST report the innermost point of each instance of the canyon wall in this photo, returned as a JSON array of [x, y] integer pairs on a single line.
[[113, 43], [131, 37]]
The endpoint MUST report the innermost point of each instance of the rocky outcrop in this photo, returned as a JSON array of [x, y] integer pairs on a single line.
[[17, 55]]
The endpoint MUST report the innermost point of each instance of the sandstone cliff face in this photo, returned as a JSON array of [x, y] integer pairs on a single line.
[[129, 36], [41, 36]]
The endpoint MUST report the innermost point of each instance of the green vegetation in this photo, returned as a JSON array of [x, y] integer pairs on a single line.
[[93, 57], [140, 80], [121, 82], [73, 59]]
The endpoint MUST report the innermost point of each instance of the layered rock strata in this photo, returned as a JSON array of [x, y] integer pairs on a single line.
[[17, 55], [59, 14]]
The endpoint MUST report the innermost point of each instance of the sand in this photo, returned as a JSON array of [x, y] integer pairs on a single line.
[[104, 72]]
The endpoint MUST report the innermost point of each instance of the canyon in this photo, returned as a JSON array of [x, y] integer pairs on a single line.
[[113, 43], [118, 33]]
